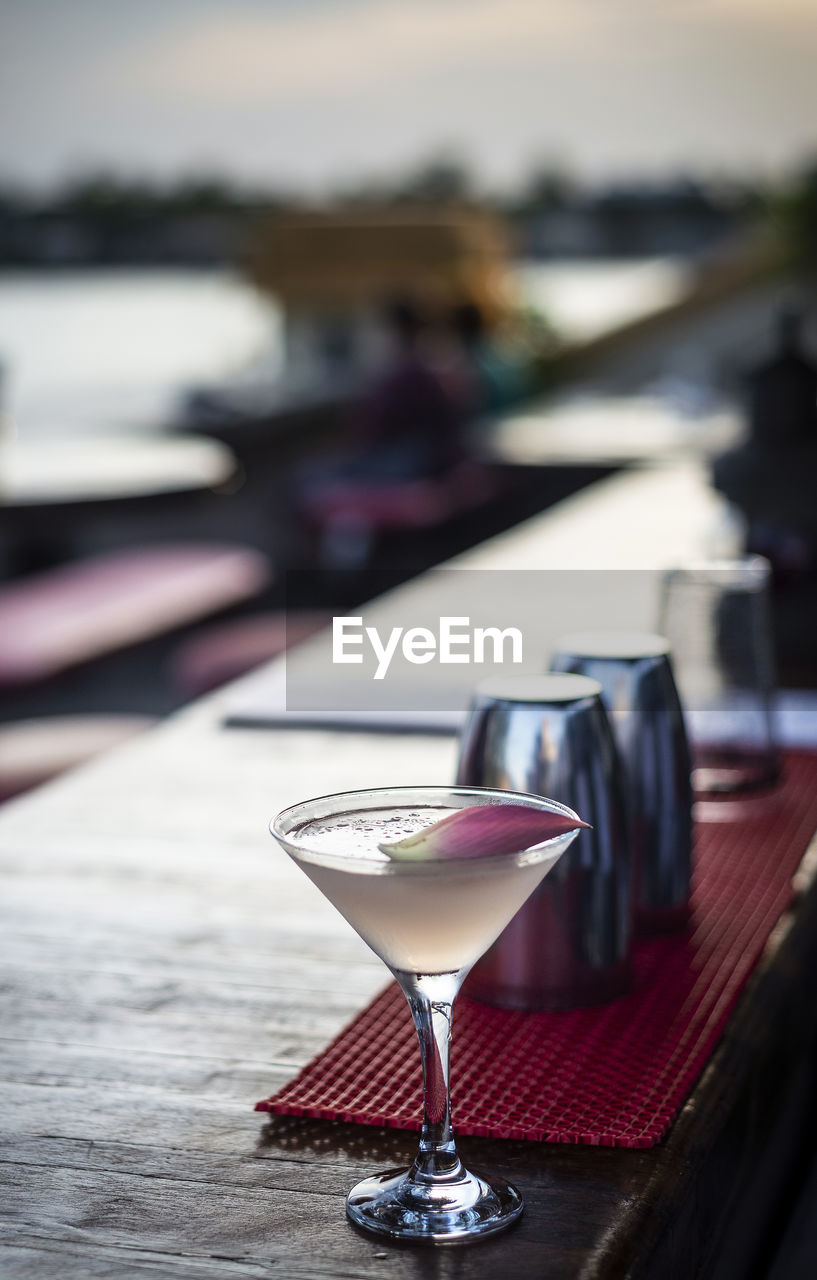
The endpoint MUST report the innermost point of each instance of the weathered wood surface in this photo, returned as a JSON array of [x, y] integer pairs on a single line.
[[164, 966]]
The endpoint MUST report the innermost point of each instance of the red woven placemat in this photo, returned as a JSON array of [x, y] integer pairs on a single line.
[[611, 1076]]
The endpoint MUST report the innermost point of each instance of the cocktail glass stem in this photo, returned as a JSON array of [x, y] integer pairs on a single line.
[[431, 998], [436, 1198]]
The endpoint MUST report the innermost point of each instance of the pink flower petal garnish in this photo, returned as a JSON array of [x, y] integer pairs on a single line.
[[484, 831]]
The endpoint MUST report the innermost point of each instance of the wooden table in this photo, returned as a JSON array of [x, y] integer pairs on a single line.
[[52, 489], [37, 474], [164, 967], [605, 430]]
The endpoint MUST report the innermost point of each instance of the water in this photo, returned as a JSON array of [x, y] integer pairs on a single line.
[[114, 350], [584, 299], [101, 351]]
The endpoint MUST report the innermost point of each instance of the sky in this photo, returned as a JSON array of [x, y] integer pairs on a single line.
[[318, 94]]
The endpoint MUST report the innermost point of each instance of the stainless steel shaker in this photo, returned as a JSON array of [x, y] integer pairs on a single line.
[[635, 673], [569, 944]]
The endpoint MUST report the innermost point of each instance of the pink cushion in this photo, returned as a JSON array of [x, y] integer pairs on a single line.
[[414, 504], [69, 615], [217, 654]]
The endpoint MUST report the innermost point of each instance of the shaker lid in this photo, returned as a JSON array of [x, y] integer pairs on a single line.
[[627, 645], [552, 687]]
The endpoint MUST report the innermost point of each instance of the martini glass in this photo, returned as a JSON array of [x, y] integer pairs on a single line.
[[429, 920]]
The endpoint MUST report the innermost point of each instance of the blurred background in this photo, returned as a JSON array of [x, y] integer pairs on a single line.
[[320, 292]]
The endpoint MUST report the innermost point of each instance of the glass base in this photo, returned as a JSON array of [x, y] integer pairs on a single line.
[[444, 1211]]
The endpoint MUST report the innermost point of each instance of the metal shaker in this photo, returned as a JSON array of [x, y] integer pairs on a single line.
[[635, 673], [569, 945]]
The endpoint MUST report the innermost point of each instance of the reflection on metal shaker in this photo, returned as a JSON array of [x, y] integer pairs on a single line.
[[569, 945], [639, 691]]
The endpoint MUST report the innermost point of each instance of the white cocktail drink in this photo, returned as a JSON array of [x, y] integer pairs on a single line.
[[419, 917], [429, 879]]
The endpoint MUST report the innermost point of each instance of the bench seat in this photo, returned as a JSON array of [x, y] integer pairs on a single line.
[[59, 619], [226, 650], [390, 506]]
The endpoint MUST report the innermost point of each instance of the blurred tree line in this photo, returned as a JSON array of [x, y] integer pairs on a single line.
[[794, 209], [105, 219]]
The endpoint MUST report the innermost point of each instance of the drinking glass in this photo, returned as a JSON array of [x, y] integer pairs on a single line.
[[428, 920], [716, 616]]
